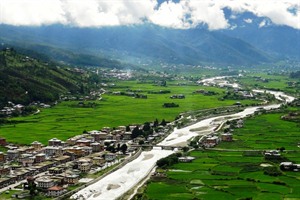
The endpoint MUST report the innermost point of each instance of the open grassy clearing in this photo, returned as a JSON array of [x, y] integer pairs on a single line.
[[68, 119]]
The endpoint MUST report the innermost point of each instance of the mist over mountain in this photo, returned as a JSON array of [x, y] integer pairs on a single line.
[[279, 41], [246, 38], [190, 46]]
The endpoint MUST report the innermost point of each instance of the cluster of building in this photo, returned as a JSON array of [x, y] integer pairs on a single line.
[[214, 139], [18, 109], [12, 108], [60, 163]]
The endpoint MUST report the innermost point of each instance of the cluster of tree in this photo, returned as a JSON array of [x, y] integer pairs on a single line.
[[159, 92], [24, 79], [147, 129], [295, 74], [170, 105], [168, 161], [112, 148]]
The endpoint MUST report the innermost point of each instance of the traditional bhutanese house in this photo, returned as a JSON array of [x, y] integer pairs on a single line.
[[78, 151], [41, 157], [110, 157], [85, 167], [71, 178], [98, 161], [4, 170], [36, 145], [98, 135], [226, 137], [3, 142], [54, 142], [106, 129], [96, 147], [186, 159], [83, 142], [2, 157], [127, 136], [12, 154], [212, 141], [44, 182], [55, 191], [53, 151], [56, 170]]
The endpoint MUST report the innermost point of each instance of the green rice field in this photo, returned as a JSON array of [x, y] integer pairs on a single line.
[[68, 119]]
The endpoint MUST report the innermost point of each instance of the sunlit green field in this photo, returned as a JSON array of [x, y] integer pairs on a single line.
[[238, 172], [224, 175], [68, 119], [265, 132], [274, 82]]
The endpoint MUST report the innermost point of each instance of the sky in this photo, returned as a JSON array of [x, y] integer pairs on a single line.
[[180, 14]]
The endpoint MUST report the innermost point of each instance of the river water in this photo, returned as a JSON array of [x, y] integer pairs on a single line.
[[119, 182]]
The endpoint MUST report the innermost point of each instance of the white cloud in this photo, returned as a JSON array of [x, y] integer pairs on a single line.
[[182, 14], [249, 21]]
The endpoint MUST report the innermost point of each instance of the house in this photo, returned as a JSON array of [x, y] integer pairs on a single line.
[[98, 161], [78, 151], [54, 142], [289, 166], [53, 151], [83, 142], [71, 178], [3, 142], [2, 157], [55, 191], [127, 136], [96, 147], [272, 154], [56, 170], [186, 159], [4, 170], [106, 129], [226, 137], [109, 157], [36, 145], [12, 154], [26, 159], [98, 135], [211, 141], [85, 167], [41, 157], [44, 182]]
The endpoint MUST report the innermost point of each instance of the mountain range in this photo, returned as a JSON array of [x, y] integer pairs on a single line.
[[249, 41]]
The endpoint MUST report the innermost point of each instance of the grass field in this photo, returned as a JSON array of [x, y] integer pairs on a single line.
[[68, 119], [265, 132], [223, 175], [273, 82], [238, 172]]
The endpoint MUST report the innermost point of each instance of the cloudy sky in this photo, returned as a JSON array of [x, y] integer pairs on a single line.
[[174, 14]]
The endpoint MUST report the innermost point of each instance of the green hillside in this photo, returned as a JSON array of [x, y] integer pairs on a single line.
[[24, 79]]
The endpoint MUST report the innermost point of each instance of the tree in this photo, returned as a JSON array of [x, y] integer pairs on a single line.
[[155, 123], [163, 122], [185, 149], [124, 148], [147, 126], [136, 132]]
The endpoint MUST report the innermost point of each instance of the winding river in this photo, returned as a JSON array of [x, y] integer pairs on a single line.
[[119, 182]]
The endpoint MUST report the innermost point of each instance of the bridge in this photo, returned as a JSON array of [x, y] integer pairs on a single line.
[[163, 147]]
